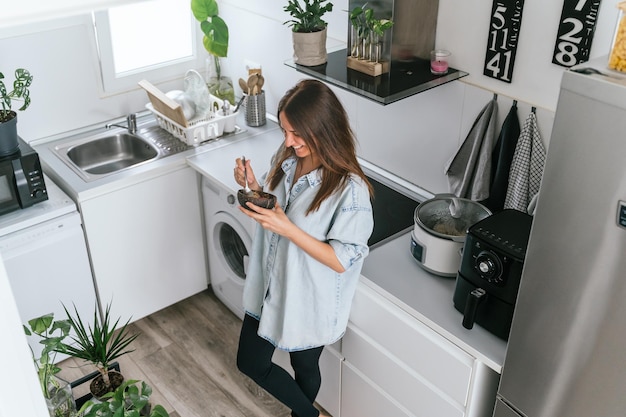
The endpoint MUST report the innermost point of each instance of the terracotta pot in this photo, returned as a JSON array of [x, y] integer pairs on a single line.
[[309, 49]]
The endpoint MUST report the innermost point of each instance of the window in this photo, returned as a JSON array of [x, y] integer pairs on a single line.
[[153, 40]]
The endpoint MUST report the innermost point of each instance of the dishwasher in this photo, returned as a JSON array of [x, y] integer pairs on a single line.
[[45, 256]]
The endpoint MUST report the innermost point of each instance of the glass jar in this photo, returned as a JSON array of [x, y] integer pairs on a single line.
[[218, 84], [617, 57]]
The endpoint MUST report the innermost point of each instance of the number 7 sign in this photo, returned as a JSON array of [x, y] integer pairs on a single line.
[[504, 29]]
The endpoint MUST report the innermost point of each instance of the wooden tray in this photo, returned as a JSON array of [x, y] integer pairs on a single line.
[[163, 104]]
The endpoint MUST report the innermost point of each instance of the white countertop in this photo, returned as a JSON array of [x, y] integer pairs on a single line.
[[389, 269], [57, 204]]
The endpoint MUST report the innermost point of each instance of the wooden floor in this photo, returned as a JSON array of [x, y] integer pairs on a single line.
[[186, 353]]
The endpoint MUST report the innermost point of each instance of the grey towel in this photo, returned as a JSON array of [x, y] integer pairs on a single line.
[[527, 166], [469, 171]]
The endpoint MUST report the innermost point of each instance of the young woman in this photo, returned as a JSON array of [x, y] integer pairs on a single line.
[[308, 251]]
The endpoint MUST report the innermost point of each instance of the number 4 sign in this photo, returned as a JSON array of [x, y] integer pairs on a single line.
[[504, 29], [578, 23]]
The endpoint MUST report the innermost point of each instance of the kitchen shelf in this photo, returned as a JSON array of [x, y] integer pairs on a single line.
[[404, 79]]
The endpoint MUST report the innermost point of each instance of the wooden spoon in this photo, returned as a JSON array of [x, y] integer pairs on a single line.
[[244, 86], [259, 83], [252, 80]]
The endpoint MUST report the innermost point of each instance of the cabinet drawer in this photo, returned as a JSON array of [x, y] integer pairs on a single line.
[[410, 390], [361, 398], [418, 347]]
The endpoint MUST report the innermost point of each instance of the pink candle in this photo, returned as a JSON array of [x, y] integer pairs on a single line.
[[439, 66], [439, 61]]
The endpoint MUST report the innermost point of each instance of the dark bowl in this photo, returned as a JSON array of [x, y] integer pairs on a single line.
[[259, 198]]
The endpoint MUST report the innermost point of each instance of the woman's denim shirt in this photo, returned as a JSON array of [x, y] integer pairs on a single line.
[[300, 302]]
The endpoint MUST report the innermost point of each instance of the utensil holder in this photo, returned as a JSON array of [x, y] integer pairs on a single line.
[[255, 109]]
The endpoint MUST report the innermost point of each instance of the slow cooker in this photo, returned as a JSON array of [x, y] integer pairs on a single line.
[[438, 236]]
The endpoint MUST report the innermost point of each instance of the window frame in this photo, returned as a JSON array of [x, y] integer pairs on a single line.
[[112, 83]]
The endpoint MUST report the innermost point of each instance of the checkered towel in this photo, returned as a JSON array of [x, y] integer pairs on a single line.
[[527, 166]]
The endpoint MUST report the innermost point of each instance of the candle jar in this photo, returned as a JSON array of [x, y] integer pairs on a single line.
[[439, 61]]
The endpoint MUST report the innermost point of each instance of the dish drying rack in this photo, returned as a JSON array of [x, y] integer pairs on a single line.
[[198, 130]]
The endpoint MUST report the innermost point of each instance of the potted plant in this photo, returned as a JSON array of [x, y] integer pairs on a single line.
[[308, 30], [8, 117], [100, 345], [127, 401], [367, 34], [215, 41], [56, 391]]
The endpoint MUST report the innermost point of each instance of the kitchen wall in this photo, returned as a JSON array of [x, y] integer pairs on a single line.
[[413, 138]]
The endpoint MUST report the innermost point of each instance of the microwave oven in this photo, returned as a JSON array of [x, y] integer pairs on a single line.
[[21, 179]]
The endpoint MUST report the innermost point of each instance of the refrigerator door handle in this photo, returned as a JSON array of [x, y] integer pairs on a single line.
[[474, 299]]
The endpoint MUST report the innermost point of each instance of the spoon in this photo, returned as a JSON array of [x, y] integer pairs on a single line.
[[259, 83], [244, 86], [252, 80], [245, 175]]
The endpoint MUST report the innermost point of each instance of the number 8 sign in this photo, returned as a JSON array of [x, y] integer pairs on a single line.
[[576, 29], [504, 29]]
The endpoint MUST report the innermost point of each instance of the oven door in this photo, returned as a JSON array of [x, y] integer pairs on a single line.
[[8, 196]]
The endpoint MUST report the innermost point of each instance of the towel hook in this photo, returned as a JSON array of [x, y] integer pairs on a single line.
[[495, 96], [533, 109]]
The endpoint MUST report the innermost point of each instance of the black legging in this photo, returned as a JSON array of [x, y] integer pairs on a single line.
[[254, 358]]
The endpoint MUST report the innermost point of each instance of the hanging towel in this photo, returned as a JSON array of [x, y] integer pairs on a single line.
[[469, 171], [527, 166], [501, 160]]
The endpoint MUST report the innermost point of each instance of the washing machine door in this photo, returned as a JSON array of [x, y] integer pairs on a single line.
[[229, 250]]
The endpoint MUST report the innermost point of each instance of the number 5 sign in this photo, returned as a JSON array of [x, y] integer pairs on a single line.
[[578, 23], [504, 29]]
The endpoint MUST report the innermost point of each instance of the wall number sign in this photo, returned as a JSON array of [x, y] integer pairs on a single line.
[[504, 29], [576, 29]]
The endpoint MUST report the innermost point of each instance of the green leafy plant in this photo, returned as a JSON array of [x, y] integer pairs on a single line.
[[362, 18], [52, 334], [307, 17], [57, 392], [99, 345], [23, 80], [215, 29], [128, 400]]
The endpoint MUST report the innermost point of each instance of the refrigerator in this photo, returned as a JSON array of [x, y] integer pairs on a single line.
[[566, 353]]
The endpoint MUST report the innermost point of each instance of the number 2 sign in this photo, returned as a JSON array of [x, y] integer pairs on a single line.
[[504, 29], [578, 23]]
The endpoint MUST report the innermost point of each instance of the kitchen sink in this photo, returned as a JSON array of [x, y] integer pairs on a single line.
[[95, 156], [111, 153]]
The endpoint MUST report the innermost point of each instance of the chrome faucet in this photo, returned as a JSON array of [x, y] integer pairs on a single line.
[[131, 124]]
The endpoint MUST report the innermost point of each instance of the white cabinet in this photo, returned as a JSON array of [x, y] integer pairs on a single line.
[[394, 362], [146, 243]]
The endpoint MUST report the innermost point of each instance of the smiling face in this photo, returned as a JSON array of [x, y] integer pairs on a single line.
[[293, 139]]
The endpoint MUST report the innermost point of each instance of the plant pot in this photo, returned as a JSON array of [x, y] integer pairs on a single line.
[[309, 49], [60, 400], [98, 388], [8, 135]]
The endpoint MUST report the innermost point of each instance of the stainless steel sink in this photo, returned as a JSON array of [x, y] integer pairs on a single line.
[[111, 153], [96, 156]]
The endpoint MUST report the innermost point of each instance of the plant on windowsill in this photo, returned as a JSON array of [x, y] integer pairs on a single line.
[[56, 391], [100, 345], [128, 400], [8, 117], [308, 30], [215, 41]]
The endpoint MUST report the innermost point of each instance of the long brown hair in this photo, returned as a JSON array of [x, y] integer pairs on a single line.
[[315, 112]]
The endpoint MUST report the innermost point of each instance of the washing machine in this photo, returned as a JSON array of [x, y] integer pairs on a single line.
[[229, 236]]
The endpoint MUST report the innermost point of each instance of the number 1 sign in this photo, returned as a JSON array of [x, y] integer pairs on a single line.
[[504, 29], [578, 23]]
